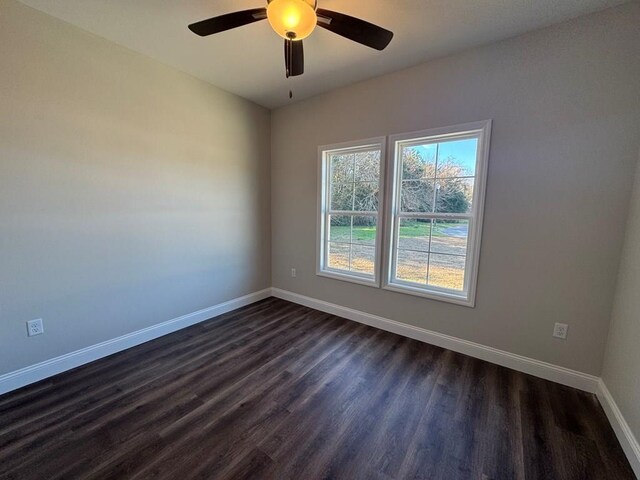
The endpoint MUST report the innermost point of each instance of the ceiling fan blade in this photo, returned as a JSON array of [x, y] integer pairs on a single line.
[[354, 29], [293, 57], [228, 21]]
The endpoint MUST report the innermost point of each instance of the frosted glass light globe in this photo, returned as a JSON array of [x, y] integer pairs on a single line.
[[292, 19]]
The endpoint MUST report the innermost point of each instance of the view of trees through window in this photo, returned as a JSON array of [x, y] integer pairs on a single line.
[[428, 240], [353, 206], [436, 179], [436, 194]]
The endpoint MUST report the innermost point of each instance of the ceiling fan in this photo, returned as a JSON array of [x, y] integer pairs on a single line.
[[294, 20]]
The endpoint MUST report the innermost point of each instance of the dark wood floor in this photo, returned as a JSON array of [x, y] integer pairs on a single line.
[[279, 391]]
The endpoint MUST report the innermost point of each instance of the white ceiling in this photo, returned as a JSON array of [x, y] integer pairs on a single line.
[[249, 61]]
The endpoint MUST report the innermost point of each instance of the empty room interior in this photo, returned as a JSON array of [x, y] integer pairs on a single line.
[[332, 239]]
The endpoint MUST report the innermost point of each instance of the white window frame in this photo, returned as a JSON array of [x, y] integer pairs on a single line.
[[480, 130], [324, 211]]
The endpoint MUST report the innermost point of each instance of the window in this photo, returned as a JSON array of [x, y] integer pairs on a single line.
[[428, 243], [350, 234], [436, 189]]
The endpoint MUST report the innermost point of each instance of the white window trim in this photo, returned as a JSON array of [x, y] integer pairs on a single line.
[[323, 199], [468, 296]]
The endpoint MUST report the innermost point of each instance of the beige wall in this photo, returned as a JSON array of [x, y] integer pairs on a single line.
[[621, 371], [566, 108], [130, 193]]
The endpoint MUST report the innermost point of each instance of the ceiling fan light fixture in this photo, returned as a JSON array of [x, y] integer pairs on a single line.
[[292, 19]]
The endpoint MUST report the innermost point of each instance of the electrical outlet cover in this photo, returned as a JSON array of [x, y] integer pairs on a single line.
[[560, 330], [35, 327]]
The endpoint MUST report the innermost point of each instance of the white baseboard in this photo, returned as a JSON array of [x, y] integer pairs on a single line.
[[548, 371], [620, 426], [48, 368]]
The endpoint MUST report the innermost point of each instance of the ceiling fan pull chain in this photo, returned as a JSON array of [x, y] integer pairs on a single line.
[[290, 55], [288, 51]]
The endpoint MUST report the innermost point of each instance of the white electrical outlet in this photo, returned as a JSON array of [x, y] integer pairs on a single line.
[[35, 327], [560, 330], [293, 272]]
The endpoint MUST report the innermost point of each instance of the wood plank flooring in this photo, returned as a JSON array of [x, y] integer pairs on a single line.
[[279, 391]]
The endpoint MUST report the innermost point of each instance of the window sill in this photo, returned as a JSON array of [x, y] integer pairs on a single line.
[[369, 282], [461, 299]]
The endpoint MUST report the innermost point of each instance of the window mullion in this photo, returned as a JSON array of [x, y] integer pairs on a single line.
[[438, 216], [353, 212], [435, 179], [350, 241]]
